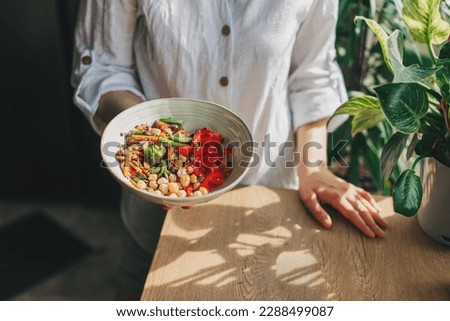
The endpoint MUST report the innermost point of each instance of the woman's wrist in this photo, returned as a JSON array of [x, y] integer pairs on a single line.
[[113, 103]]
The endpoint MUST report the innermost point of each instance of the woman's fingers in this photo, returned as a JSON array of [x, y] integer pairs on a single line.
[[374, 212], [312, 203], [368, 197], [366, 215], [346, 209]]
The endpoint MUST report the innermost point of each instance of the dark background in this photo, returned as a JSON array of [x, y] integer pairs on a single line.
[[49, 150]]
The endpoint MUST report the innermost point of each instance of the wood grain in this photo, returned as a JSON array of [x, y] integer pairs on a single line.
[[256, 243]]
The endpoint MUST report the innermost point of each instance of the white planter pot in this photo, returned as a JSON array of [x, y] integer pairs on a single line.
[[434, 214]]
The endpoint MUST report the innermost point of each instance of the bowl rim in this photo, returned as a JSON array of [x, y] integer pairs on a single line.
[[166, 200]]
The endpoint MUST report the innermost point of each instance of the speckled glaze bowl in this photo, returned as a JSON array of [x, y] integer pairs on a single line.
[[196, 114]]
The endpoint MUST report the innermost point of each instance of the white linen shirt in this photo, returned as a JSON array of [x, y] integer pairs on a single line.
[[271, 62]]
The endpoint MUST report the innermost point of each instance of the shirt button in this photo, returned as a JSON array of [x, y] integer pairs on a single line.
[[86, 60], [223, 81], [226, 30]]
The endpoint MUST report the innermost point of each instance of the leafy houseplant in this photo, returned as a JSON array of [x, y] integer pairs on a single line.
[[416, 102]]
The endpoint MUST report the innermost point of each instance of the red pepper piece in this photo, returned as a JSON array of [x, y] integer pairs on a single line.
[[212, 180], [189, 191], [132, 172], [185, 151], [205, 135]]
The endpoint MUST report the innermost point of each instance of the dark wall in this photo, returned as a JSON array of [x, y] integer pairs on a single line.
[[50, 151]]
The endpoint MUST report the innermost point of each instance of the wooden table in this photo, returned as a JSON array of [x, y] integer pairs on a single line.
[[256, 243]]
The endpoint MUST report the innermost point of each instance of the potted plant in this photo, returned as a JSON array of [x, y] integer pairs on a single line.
[[416, 105]]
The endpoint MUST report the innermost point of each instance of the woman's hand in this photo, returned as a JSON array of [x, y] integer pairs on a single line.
[[323, 187], [111, 104], [320, 186]]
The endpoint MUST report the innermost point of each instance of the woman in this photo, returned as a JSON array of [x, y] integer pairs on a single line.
[[271, 62]]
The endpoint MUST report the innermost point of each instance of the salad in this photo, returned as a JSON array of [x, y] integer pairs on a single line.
[[163, 158]]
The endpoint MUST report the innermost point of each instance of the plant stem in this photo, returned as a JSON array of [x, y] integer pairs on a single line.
[[431, 51], [418, 159]]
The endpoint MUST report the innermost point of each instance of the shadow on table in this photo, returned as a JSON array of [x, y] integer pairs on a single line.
[[270, 248]]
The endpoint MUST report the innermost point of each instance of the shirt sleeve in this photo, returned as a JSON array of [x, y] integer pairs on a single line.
[[103, 59], [316, 86]]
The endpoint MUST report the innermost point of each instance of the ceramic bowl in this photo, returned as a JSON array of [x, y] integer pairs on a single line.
[[196, 114]]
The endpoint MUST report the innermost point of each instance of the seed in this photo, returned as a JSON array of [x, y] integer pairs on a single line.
[[172, 178], [173, 187], [185, 180], [164, 188], [162, 180], [181, 172], [153, 184], [141, 184]]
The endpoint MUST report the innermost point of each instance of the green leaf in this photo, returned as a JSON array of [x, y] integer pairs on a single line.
[[412, 146], [424, 21], [403, 104], [413, 73], [407, 193], [366, 111], [444, 53], [442, 153], [443, 74], [366, 119], [391, 153], [381, 35], [425, 145]]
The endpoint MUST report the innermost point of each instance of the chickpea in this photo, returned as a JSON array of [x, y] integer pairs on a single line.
[[181, 172], [190, 170], [183, 158], [172, 178], [197, 193], [203, 190], [196, 186], [193, 178], [163, 180], [182, 193], [173, 195], [153, 184], [185, 180], [158, 192], [173, 187], [141, 184], [153, 177], [164, 188]]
